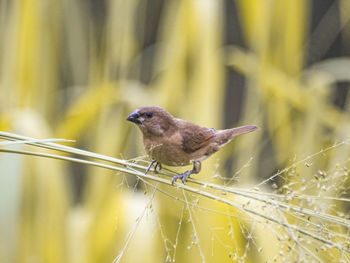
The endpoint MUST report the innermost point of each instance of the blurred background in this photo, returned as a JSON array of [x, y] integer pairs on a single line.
[[75, 69]]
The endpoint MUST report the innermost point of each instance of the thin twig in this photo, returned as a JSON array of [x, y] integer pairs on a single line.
[[194, 227], [132, 233], [141, 175]]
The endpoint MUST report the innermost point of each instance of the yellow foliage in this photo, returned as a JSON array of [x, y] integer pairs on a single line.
[[67, 71]]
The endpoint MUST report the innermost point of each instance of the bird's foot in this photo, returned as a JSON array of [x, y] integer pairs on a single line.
[[159, 165], [182, 176], [150, 165]]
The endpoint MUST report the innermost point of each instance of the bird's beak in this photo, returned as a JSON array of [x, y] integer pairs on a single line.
[[134, 117]]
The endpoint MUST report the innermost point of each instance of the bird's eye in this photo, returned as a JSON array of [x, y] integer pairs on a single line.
[[149, 114]]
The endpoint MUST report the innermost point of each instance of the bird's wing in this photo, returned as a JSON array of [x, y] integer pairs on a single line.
[[195, 137]]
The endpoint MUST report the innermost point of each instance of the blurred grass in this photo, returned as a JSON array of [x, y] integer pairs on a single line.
[[75, 69]]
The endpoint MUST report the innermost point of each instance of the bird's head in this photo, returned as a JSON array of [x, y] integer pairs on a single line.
[[153, 121]]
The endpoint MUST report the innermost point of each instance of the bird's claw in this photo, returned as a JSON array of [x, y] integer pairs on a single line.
[[158, 164], [149, 166], [182, 176]]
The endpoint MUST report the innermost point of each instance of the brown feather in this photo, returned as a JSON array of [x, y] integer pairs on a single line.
[[177, 142], [195, 137], [222, 137]]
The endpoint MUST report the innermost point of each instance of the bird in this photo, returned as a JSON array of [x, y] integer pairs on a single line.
[[177, 142]]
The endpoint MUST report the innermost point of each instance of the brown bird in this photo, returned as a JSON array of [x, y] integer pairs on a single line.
[[176, 142]]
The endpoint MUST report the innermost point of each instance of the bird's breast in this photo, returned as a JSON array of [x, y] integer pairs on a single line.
[[167, 150]]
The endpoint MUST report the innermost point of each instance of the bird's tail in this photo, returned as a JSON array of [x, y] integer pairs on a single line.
[[225, 136]]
